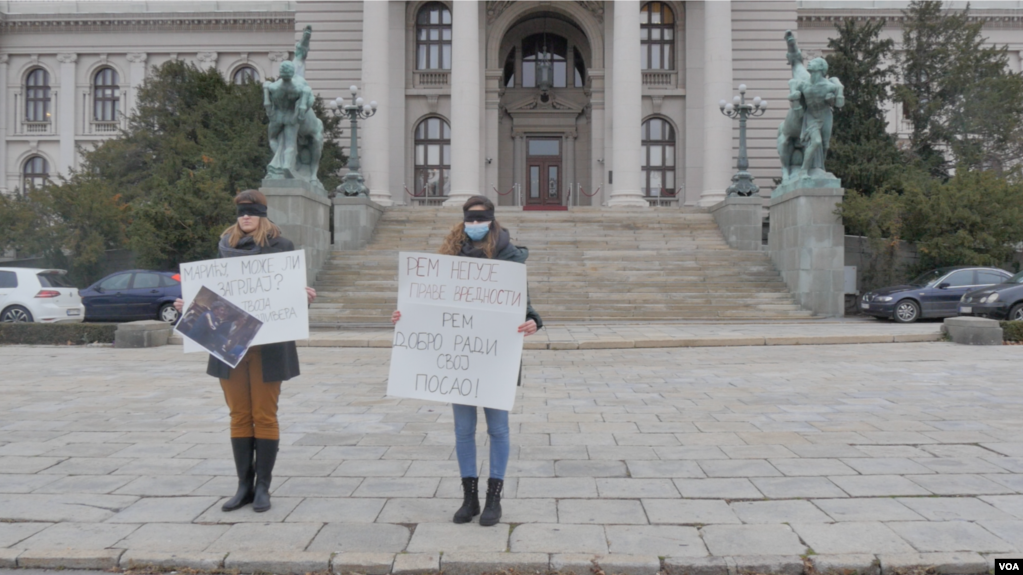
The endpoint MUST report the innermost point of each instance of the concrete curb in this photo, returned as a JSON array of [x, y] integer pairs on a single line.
[[475, 563], [858, 564], [740, 341], [279, 562], [102, 559], [345, 563], [136, 558], [9, 558]]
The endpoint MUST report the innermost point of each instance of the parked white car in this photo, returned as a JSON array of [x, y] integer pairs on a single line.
[[43, 296]]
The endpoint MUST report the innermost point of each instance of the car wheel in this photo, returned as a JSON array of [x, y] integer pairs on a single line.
[[16, 314], [907, 311], [1016, 313], [168, 314]]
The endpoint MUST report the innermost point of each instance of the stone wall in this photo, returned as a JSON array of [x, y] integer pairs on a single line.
[[304, 217], [807, 244], [354, 221], [741, 221]]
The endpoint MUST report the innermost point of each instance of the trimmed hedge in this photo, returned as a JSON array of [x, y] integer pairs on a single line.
[[1012, 331], [56, 333]]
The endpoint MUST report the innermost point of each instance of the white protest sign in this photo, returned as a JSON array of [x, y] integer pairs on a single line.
[[271, 287], [458, 340]]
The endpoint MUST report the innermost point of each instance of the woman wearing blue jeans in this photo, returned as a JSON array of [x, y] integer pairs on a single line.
[[480, 236]]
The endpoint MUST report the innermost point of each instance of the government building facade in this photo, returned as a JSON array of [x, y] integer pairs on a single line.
[[535, 103]]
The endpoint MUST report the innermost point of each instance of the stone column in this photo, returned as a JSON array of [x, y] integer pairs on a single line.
[[466, 83], [570, 168], [627, 113], [66, 112], [717, 86], [597, 159], [519, 176], [136, 75], [375, 72], [3, 123]]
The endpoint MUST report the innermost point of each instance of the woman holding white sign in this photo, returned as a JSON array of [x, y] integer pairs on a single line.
[[252, 389], [480, 236]]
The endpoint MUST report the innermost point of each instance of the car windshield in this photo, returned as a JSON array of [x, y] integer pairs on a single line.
[[1016, 279], [53, 279], [928, 278]]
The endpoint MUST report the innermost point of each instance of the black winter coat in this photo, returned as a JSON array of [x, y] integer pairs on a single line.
[[280, 360]]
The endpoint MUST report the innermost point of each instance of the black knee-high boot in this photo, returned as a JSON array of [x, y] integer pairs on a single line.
[[470, 500], [243, 451], [266, 456], [492, 511]]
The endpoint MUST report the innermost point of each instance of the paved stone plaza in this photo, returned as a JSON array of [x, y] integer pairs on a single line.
[[684, 459]]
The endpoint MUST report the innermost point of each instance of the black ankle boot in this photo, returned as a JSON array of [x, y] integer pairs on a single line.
[[242, 448], [492, 511], [266, 456], [470, 500]]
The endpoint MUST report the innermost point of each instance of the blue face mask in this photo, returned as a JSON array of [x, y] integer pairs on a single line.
[[477, 231]]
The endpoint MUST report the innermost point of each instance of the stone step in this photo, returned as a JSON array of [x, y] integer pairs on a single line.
[[590, 264]]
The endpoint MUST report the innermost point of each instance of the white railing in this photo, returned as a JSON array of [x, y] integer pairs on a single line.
[[37, 127], [23, 126], [431, 78], [428, 200], [659, 78], [666, 201]]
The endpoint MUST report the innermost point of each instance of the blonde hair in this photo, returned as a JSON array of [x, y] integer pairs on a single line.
[[265, 229], [453, 242]]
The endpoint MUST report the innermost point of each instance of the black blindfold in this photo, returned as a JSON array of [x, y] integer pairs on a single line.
[[255, 210], [479, 216]]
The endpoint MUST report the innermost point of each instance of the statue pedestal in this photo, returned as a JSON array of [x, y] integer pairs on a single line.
[[355, 218], [807, 244], [304, 217], [826, 180], [741, 221]]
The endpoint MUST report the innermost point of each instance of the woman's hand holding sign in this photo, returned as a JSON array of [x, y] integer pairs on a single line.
[[528, 328]]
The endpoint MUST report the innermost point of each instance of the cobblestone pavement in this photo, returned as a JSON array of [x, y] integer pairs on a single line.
[[645, 459]]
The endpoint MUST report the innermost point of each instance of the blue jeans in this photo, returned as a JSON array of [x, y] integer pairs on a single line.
[[465, 439]]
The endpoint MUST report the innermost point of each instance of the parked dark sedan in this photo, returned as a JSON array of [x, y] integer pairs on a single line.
[[1002, 301], [132, 295], [935, 294]]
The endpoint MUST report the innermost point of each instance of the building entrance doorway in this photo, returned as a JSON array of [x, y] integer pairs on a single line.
[[544, 173]]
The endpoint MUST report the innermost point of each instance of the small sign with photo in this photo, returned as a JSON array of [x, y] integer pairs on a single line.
[[218, 326]]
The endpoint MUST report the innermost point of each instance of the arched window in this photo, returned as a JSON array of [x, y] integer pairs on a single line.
[[245, 75], [433, 158], [433, 37], [509, 70], [531, 48], [35, 172], [106, 95], [657, 36], [37, 96], [658, 158]]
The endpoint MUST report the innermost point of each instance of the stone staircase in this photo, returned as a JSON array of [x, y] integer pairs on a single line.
[[587, 264]]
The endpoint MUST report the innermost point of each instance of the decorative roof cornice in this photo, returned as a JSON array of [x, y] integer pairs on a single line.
[[147, 22], [827, 18]]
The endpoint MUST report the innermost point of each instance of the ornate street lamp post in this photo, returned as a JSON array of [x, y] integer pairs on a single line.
[[353, 183], [742, 181]]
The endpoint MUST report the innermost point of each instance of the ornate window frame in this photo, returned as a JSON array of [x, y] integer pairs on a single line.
[[36, 101], [666, 163], [431, 38], [26, 179], [427, 184]]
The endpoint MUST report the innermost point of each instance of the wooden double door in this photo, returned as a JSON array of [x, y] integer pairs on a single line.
[[544, 173]]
